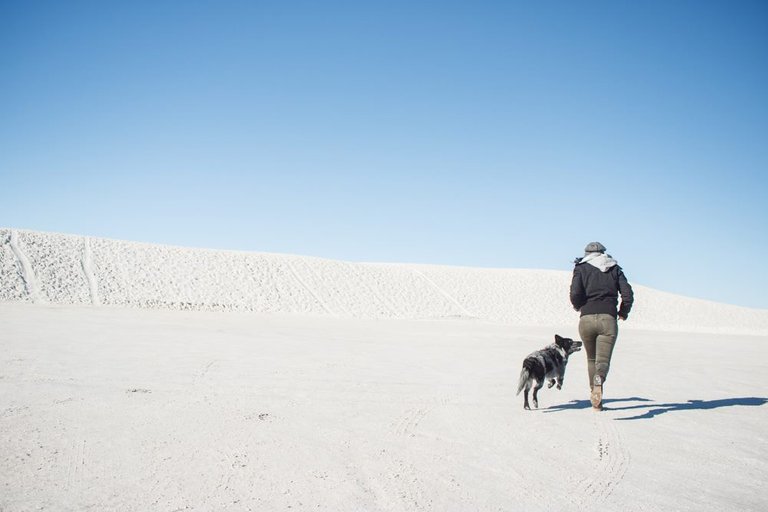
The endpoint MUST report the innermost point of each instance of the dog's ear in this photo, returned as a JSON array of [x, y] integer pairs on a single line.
[[558, 338]]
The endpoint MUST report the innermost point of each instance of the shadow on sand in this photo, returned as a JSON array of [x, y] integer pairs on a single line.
[[654, 409]]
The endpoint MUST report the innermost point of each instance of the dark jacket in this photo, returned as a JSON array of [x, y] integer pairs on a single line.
[[596, 290]]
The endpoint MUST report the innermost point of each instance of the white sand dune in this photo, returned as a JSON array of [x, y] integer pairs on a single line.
[[64, 269], [296, 383]]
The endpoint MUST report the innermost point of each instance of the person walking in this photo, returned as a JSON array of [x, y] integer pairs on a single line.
[[597, 282]]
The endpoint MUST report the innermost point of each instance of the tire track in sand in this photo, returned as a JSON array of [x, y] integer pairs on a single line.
[[304, 285], [402, 474], [406, 483], [409, 421], [613, 460], [27, 273], [76, 466], [444, 294], [87, 264], [335, 306]]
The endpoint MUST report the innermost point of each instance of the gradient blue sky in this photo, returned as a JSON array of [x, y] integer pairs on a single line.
[[482, 133]]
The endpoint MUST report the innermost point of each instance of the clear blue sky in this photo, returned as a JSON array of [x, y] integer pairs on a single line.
[[476, 133]]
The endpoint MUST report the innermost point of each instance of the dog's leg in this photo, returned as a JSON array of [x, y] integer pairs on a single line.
[[559, 383], [526, 405], [552, 383], [536, 389]]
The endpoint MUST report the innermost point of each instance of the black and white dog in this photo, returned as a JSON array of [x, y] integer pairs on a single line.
[[547, 364]]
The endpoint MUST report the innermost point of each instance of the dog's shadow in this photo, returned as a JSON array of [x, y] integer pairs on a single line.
[[655, 409]]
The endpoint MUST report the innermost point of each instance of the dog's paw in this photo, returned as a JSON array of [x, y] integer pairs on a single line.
[[552, 383]]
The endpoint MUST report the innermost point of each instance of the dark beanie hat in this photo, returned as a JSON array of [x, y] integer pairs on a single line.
[[594, 247]]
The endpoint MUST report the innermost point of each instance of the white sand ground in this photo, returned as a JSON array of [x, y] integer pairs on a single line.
[[115, 409], [353, 387]]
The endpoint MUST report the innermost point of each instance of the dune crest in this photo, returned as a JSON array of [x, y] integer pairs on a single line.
[[52, 268]]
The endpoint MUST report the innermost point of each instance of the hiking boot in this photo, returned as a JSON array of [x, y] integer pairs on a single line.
[[597, 393]]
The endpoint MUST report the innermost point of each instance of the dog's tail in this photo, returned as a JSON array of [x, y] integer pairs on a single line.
[[524, 376]]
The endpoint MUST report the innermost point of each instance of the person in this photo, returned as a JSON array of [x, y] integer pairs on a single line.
[[597, 282]]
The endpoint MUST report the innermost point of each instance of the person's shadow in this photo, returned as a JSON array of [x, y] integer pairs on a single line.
[[655, 409]]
